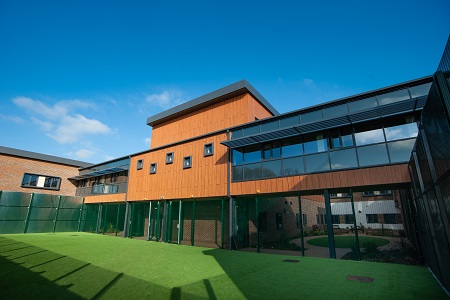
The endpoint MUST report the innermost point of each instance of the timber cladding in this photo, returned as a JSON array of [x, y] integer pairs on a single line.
[[383, 175], [228, 113], [206, 177], [108, 198]]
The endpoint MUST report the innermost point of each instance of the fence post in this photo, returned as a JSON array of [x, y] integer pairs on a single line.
[[300, 216], [81, 214], [355, 225], [57, 212], [169, 223], [193, 224], [222, 235], [28, 214], [329, 222], [180, 207], [158, 218], [149, 220]]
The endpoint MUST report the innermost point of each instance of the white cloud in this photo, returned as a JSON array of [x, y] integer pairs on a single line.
[[85, 153], [308, 82], [147, 141], [59, 122], [14, 119], [165, 99]]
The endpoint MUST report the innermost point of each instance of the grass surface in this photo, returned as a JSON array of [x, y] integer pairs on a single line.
[[347, 241], [89, 266]]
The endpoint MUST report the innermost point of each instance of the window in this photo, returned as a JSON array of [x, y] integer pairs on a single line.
[[343, 159], [400, 128], [305, 220], [377, 193], [373, 155], [269, 126], [314, 143], [140, 164], [252, 154], [293, 166], [392, 219], [271, 168], [320, 219], [336, 219], [290, 121], [362, 104], [349, 219], [279, 221], [208, 150], [251, 130], [317, 163], [169, 158], [400, 151], [340, 195], [238, 156], [292, 147], [369, 134], [420, 90], [335, 111], [372, 218], [41, 181], [153, 168], [187, 162], [237, 173], [393, 97], [312, 116], [271, 150], [262, 221]]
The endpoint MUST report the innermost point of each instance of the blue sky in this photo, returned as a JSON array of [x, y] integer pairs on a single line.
[[78, 79]]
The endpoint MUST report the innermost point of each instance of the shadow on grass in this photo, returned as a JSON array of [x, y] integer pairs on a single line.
[[29, 272]]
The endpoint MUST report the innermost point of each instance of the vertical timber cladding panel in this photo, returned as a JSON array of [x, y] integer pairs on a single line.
[[206, 177], [339, 179], [230, 112]]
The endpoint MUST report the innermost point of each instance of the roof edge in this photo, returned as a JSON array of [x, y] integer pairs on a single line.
[[209, 99], [43, 157]]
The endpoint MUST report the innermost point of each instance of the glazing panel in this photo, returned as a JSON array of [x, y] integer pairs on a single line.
[[269, 126], [292, 147], [335, 111], [236, 133], [393, 97], [362, 104], [237, 173], [251, 130], [372, 155], [238, 156], [252, 154], [400, 151], [400, 128], [369, 134], [420, 90], [271, 168], [293, 166], [343, 159], [317, 163], [290, 121], [252, 171], [347, 137], [314, 143], [312, 116]]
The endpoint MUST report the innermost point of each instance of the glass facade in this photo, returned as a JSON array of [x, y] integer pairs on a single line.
[[381, 142]]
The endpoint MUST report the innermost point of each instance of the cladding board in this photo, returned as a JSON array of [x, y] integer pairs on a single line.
[[108, 198], [228, 113]]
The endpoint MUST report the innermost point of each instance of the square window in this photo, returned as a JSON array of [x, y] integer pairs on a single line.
[[140, 164], [209, 149], [169, 158], [187, 162], [153, 168]]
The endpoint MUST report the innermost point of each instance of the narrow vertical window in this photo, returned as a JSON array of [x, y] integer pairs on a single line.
[[187, 162], [208, 149], [153, 168], [169, 158], [140, 164]]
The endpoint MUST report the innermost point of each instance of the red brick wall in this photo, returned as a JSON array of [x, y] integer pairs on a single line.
[[12, 169]]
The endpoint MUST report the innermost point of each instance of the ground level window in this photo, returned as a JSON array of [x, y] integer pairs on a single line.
[[372, 218], [392, 219], [41, 181]]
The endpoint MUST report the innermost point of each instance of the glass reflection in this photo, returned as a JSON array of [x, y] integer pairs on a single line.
[[252, 154], [401, 151], [314, 143], [237, 157], [312, 116], [335, 111], [269, 126], [237, 173], [372, 155], [251, 130], [362, 104], [293, 166], [292, 147], [393, 97], [400, 128], [369, 134], [271, 168], [252, 171], [317, 163], [420, 90], [343, 159], [236, 133], [291, 121]]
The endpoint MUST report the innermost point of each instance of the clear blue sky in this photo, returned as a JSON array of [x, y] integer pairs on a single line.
[[79, 78]]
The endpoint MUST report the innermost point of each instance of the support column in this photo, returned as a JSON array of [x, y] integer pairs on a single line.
[[149, 227], [169, 223], [257, 225], [355, 225], [28, 214], [300, 216], [180, 222], [193, 224], [81, 215], [56, 215], [117, 217], [158, 219], [329, 221], [222, 219], [132, 209], [126, 222], [231, 225]]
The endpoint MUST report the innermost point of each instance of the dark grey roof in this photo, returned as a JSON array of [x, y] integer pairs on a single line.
[[43, 157], [98, 173], [209, 99]]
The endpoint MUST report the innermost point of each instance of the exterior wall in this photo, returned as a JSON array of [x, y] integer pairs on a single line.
[[231, 112], [105, 198], [395, 174], [13, 168], [206, 178]]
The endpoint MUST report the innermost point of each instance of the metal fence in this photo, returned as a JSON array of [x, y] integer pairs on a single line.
[[33, 213]]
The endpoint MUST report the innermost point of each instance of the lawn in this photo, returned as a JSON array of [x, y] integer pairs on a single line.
[[89, 266], [347, 241]]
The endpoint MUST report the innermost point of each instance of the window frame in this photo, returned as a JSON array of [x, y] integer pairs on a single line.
[[46, 178], [205, 149], [153, 168], [170, 157], [140, 164], [187, 162]]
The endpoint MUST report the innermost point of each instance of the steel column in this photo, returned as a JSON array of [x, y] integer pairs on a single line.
[[157, 221], [169, 224], [329, 221], [180, 222], [300, 215], [81, 214], [222, 219], [149, 227], [56, 215], [355, 225], [28, 214]]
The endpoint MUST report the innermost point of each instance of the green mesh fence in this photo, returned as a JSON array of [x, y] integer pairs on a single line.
[[33, 213], [89, 218]]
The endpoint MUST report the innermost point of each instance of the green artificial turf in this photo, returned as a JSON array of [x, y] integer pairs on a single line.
[[89, 266], [347, 241]]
